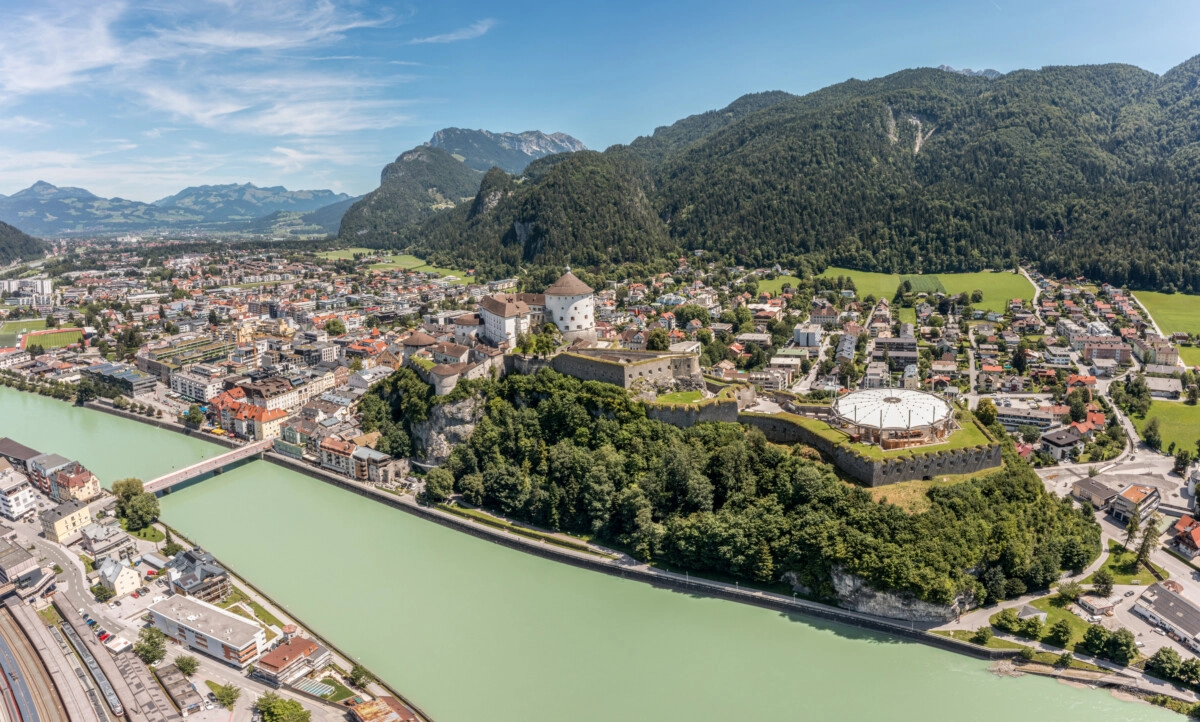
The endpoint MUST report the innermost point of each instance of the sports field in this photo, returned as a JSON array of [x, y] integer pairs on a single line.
[[998, 288], [1177, 421], [10, 329], [403, 261], [1172, 311], [53, 338]]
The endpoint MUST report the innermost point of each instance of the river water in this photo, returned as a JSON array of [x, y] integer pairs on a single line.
[[475, 632]]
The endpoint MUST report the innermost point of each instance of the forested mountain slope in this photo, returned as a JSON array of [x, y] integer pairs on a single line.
[[1083, 170], [15, 244]]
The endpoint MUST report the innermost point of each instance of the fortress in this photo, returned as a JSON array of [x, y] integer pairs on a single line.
[[568, 303]]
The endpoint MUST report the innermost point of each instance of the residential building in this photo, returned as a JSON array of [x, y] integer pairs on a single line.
[[102, 540], [182, 692], [198, 383], [807, 334], [74, 481], [1141, 499], [1014, 417], [43, 468], [1059, 444], [273, 394], [205, 628], [18, 566], [17, 454], [1164, 388], [17, 497], [196, 573], [291, 660], [124, 377], [382, 709], [63, 523], [1093, 491], [373, 466], [1171, 611], [117, 576], [337, 455]]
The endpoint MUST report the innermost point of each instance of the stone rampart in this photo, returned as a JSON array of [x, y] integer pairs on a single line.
[[787, 429], [685, 415]]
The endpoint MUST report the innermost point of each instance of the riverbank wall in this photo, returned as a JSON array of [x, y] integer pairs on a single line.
[[618, 568]]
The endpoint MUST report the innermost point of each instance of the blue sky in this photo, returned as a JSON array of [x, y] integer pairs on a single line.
[[140, 99]]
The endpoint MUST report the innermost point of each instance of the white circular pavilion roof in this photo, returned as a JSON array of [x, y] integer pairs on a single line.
[[892, 408]]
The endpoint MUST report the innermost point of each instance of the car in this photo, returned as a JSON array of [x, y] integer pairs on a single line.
[[82, 613], [212, 697], [118, 602], [104, 637], [135, 595], [91, 622], [1130, 593], [1141, 644], [1156, 630]]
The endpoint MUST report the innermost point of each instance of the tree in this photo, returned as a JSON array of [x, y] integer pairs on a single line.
[[1008, 620], [141, 511], [356, 364], [194, 415], [1165, 663], [227, 695], [1095, 640], [1032, 627], [658, 340], [1102, 582], [982, 636], [1029, 434], [124, 490], [986, 412], [1064, 660], [151, 645], [1183, 459], [102, 593], [360, 677], [335, 327], [1152, 435], [439, 484], [1070, 591], [1121, 647], [1148, 543], [274, 708], [1133, 528], [187, 664], [1060, 633], [170, 546]]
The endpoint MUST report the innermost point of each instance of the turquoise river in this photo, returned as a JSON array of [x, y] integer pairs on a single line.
[[474, 632]]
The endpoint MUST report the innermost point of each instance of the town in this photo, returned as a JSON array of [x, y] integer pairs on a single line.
[[279, 354]]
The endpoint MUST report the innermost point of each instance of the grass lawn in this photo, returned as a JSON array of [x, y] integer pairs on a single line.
[[681, 397], [1121, 564], [998, 288], [241, 612], [339, 693], [50, 616], [908, 315], [1172, 311], [775, 285], [964, 635], [880, 285], [235, 596], [150, 533], [1177, 422], [212, 686], [401, 261], [1190, 355], [87, 563], [10, 329], [263, 614], [346, 253], [55, 339], [1055, 610], [912, 496], [498, 523]]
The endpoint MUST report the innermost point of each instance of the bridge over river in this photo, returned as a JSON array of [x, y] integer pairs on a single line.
[[216, 464]]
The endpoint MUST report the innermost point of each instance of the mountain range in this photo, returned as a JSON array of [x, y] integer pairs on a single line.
[[510, 152], [1085, 170], [17, 245], [47, 210]]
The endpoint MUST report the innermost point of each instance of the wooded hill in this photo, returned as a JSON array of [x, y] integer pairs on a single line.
[[15, 244], [1087, 170]]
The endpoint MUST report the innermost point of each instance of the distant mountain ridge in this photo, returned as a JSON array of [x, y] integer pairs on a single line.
[[48, 210], [510, 152], [988, 73]]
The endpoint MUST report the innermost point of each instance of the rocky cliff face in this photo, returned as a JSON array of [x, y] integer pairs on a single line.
[[854, 593], [447, 426]]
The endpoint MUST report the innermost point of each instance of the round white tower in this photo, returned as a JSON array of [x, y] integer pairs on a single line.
[[571, 306]]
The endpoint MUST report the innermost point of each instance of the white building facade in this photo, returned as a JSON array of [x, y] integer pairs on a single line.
[[571, 305], [17, 497]]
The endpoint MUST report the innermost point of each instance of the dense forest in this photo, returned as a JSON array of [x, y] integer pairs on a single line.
[[582, 457], [1084, 170], [14, 245]]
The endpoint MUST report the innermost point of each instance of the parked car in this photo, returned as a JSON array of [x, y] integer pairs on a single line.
[[104, 637], [91, 622], [1130, 593]]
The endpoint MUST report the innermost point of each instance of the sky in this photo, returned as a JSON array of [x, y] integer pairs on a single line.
[[141, 99]]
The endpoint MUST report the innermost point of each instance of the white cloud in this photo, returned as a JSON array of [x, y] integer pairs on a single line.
[[473, 30], [20, 123]]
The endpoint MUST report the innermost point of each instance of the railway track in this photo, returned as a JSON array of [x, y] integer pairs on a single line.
[[45, 706]]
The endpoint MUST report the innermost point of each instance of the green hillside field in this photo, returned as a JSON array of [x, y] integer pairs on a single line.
[[998, 288], [1172, 311]]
